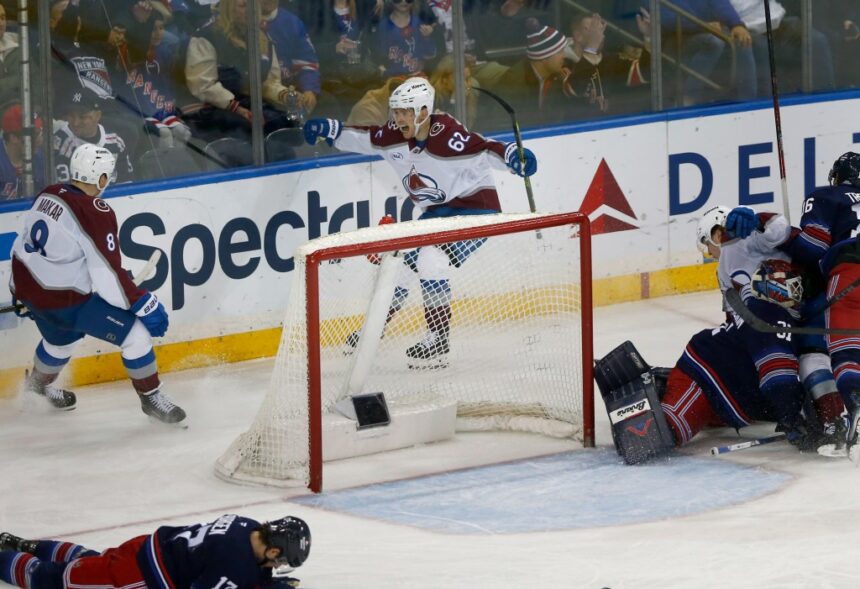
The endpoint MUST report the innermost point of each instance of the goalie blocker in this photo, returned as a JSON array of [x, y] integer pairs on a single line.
[[631, 391]]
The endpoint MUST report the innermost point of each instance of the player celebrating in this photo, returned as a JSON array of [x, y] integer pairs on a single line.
[[232, 552], [66, 271], [446, 171]]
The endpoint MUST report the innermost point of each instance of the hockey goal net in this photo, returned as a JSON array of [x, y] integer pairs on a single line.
[[497, 333]]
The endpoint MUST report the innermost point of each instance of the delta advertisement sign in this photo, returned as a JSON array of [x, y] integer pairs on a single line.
[[228, 247]]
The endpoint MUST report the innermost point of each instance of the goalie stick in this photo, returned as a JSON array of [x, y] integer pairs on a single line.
[[144, 274], [733, 298]]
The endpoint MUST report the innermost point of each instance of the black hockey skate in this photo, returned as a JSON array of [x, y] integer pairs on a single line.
[[161, 407], [351, 342], [57, 397], [11, 543], [831, 441], [430, 352]]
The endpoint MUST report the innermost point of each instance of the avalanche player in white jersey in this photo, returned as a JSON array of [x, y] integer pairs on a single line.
[[446, 171], [775, 355], [66, 271]]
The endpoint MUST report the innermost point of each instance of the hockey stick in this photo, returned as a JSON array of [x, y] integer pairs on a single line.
[[518, 137], [716, 450], [776, 116], [144, 274], [733, 298]]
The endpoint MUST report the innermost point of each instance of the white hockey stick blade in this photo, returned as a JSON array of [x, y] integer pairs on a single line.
[[147, 269], [744, 445]]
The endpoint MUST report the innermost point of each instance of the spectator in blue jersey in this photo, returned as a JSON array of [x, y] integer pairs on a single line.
[[218, 79], [146, 86], [296, 54], [12, 154], [403, 43], [702, 51], [231, 552]]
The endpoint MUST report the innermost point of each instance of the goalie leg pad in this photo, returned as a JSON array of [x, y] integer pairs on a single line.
[[622, 365], [639, 427]]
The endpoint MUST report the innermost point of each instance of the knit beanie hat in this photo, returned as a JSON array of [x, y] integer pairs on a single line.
[[542, 41]]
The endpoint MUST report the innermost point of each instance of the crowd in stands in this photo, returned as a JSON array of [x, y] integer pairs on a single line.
[[167, 84]]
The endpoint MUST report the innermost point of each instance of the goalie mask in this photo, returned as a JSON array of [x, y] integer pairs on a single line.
[[778, 281], [415, 94], [715, 217]]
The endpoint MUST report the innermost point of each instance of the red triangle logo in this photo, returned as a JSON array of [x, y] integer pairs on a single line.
[[604, 190]]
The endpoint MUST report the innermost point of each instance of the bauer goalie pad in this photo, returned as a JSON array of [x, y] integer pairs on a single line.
[[629, 390]]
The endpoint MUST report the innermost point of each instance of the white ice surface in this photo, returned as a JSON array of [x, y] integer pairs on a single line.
[[103, 473]]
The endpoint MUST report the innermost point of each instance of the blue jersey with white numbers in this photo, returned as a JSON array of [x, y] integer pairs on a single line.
[[217, 555], [829, 224]]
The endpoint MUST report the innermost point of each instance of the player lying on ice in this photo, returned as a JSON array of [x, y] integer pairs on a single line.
[[731, 375], [233, 552], [445, 170], [66, 270]]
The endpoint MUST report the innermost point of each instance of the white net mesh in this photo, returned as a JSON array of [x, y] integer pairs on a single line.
[[493, 324]]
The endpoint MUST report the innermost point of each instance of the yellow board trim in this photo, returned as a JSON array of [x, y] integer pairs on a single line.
[[239, 347]]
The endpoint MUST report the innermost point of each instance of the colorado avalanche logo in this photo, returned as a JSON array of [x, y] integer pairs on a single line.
[[423, 188]]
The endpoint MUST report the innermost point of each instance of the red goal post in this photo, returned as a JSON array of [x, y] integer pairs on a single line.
[[559, 238]]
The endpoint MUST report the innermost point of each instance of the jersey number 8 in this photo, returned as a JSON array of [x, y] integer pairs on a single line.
[[38, 238]]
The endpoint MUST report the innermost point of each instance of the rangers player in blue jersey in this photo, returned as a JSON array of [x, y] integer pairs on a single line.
[[232, 552], [828, 240], [446, 171]]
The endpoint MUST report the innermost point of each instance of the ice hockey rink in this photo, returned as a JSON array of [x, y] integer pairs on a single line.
[[546, 514]]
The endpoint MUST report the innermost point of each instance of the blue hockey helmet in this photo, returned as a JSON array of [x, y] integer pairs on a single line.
[[292, 536], [845, 169]]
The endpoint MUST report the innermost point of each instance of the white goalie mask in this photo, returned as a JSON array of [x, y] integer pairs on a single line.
[[715, 217], [777, 281], [89, 162], [414, 93]]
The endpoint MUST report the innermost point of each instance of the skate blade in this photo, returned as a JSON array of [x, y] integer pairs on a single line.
[[429, 364], [178, 425], [831, 451]]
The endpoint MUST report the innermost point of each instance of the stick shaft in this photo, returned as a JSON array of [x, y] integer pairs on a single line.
[[774, 87]]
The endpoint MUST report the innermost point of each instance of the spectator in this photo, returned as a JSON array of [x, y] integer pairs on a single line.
[[372, 108], [10, 63], [840, 22], [598, 75], [12, 154], [537, 85], [81, 123], [216, 72], [296, 54], [88, 46], [146, 87], [341, 43], [443, 81], [403, 44], [787, 33], [701, 50]]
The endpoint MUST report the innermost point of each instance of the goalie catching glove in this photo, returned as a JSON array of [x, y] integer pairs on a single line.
[[778, 281], [328, 129]]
